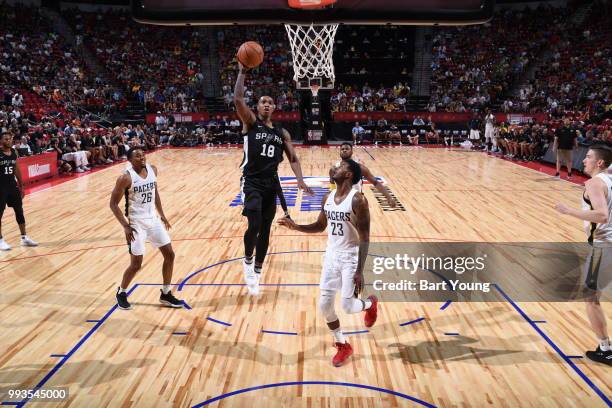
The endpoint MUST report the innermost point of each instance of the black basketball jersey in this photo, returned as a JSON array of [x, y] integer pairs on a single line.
[[263, 151], [7, 169]]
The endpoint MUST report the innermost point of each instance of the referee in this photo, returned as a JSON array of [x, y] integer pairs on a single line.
[[565, 141]]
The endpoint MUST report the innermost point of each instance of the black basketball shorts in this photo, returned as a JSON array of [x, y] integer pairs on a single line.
[[259, 195], [10, 197]]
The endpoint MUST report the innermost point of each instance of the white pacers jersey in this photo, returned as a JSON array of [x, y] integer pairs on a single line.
[[140, 197], [600, 232], [342, 234]]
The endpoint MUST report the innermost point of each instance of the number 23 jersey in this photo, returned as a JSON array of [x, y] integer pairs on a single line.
[[263, 151], [342, 234], [140, 196]]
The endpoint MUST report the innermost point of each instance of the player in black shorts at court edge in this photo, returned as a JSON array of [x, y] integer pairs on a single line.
[[11, 189], [264, 144]]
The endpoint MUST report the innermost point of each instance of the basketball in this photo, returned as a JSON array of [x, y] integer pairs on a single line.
[[250, 54]]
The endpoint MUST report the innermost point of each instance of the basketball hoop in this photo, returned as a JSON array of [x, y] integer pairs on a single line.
[[312, 48]]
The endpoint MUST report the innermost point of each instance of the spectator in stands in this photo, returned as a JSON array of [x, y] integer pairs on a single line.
[[381, 132], [160, 122], [418, 121], [394, 134], [63, 166], [73, 154], [357, 133], [413, 138], [24, 147]]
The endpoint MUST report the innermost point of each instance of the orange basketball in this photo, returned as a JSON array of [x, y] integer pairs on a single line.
[[250, 54]]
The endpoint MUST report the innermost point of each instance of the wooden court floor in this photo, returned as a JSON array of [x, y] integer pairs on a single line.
[[59, 326]]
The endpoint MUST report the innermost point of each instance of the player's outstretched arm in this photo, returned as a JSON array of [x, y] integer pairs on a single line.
[[367, 174], [158, 204], [123, 183], [245, 114], [294, 162], [318, 226], [595, 189], [362, 223]]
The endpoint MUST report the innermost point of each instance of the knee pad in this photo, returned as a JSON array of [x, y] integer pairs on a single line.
[[352, 305], [326, 304]]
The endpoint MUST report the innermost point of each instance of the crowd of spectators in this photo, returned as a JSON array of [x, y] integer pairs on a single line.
[[79, 142], [348, 98], [274, 77], [159, 65], [37, 60], [475, 66], [577, 72]]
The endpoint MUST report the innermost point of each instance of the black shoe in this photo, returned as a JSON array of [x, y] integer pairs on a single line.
[[600, 356], [122, 301], [169, 300]]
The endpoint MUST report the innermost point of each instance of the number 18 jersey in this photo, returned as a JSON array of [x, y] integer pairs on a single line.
[[263, 151], [140, 196], [342, 234]]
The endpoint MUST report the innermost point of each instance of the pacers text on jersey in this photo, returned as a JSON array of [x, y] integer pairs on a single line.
[[145, 187], [338, 215]]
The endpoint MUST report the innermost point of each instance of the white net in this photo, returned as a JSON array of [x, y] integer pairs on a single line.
[[312, 47]]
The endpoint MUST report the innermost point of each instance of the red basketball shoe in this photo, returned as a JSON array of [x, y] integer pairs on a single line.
[[372, 313], [344, 352]]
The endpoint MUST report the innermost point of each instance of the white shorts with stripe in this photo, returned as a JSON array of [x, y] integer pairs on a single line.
[[148, 229]]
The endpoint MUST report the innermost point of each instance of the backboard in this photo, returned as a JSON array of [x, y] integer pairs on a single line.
[[224, 12]]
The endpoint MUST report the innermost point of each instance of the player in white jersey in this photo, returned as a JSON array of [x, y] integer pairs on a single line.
[[345, 211], [490, 139], [138, 184], [346, 152], [596, 213]]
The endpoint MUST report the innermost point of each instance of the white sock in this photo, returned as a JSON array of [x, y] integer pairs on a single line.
[[121, 290], [339, 336], [24, 236], [367, 304], [604, 344], [166, 289]]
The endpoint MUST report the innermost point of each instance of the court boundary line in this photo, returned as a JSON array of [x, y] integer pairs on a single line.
[[552, 344], [102, 320], [285, 384]]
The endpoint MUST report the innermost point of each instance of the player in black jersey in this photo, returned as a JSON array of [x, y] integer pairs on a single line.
[[11, 189], [264, 144]]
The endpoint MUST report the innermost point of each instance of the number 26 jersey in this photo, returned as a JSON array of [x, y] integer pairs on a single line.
[[263, 151], [140, 196]]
